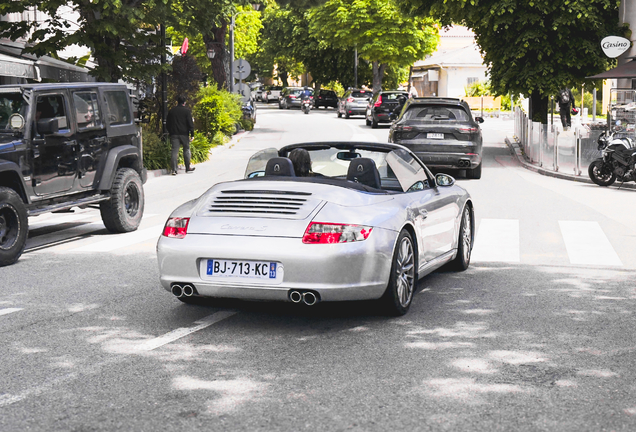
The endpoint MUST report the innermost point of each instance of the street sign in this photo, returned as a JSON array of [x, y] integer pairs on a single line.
[[244, 90], [241, 68], [614, 46]]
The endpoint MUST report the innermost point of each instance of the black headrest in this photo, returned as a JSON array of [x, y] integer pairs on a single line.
[[280, 166], [364, 171]]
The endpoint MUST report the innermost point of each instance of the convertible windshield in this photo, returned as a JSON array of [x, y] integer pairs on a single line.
[[397, 170], [10, 103]]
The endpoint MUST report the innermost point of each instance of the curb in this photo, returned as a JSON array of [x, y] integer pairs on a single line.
[[228, 145], [515, 150]]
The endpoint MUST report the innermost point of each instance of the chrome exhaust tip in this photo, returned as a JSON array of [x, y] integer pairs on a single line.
[[310, 298], [188, 290], [177, 290], [295, 296]]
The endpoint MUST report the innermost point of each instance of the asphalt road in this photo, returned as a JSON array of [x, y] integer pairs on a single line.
[[536, 335]]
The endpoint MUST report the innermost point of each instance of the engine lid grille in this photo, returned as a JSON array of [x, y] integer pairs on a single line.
[[260, 203]]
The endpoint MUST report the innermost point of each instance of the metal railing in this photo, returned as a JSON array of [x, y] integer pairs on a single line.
[[550, 147]]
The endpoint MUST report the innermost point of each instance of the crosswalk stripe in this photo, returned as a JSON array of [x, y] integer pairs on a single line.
[[497, 240], [122, 240], [7, 311], [586, 244]]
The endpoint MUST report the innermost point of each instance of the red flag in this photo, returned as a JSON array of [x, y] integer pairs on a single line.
[[184, 47]]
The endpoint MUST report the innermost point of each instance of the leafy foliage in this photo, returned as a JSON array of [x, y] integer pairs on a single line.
[[217, 111], [158, 152], [381, 33], [533, 47], [120, 33]]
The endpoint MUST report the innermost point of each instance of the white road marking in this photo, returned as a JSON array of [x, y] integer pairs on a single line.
[[7, 311], [122, 240], [586, 243], [497, 240], [184, 331]]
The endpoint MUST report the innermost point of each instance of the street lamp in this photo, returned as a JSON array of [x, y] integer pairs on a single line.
[[256, 7]]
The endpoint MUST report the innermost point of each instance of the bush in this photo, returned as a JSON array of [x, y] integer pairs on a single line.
[[158, 152], [217, 111], [247, 124]]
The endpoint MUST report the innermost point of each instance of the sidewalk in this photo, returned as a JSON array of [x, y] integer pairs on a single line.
[[583, 178], [215, 150]]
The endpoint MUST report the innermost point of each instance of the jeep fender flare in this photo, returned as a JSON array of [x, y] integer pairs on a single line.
[[132, 158], [10, 177]]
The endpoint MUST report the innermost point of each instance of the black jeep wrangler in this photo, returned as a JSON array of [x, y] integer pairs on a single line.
[[65, 145]]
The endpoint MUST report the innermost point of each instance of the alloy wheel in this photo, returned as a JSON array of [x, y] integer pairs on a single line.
[[131, 200], [9, 226], [405, 272], [466, 235]]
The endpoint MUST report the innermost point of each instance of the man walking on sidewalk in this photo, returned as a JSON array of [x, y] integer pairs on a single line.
[[565, 99], [181, 129]]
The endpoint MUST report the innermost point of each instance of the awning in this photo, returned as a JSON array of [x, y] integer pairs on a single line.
[[61, 71], [627, 70], [16, 67]]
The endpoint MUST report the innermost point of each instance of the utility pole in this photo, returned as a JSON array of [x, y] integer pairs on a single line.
[[164, 81], [627, 15], [355, 67]]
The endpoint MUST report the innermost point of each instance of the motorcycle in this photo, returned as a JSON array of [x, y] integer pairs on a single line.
[[305, 105], [617, 162]]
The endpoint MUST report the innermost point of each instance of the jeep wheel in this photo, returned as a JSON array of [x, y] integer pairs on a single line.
[[123, 211], [14, 226]]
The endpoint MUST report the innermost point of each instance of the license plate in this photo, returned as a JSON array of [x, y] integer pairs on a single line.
[[431, 135], [218, 268]]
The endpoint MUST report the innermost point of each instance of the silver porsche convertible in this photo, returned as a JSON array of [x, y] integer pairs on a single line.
[[316, 222]]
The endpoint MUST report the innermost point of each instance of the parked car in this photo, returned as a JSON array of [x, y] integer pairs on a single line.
[[67, 145], [326, 98], [442, 133], [271, 93], [354, 102], [257, 91], [381, 106], [291, 97], [367, 222]]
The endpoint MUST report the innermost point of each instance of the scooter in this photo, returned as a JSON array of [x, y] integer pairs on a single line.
[[305, 105]]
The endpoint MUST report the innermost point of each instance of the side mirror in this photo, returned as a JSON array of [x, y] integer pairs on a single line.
[[48, 126], [442, 179], [479, 119]]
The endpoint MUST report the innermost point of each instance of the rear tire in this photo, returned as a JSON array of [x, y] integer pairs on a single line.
[[374, 123], [474, 173], [125, 208], [368, 121], [14, 226], [600, 176], [464, 242], [347, 115], [399, 292], [339, 114]]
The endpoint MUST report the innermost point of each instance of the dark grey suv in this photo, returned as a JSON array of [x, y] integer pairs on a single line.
[[67, 145], [442, 133]]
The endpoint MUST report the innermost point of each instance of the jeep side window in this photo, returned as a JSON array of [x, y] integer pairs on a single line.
[[118, 110], [87, 110], [52, 106]]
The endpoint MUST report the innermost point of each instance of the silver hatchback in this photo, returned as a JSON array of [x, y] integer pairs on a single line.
[[354, 102]]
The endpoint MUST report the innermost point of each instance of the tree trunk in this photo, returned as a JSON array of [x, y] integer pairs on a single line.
[[215, 41], [538, 108], [378, 74], [283, 75]]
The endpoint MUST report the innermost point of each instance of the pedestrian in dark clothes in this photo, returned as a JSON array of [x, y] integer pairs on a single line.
[[181, 129], [565, 99]]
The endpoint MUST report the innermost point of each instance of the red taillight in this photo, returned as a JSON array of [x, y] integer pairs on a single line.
[[378, 102], [292, 96], [467, 129], [176, 227], [404, 128], [318, 232], [350, 99]]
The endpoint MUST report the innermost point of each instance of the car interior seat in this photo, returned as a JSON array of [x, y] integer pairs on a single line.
[[280, 166], [364, 171]]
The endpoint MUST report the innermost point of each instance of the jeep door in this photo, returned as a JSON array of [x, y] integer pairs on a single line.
[[54, 153], [91, 134]]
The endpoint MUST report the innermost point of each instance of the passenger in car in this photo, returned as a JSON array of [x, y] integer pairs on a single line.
[[302, 162]]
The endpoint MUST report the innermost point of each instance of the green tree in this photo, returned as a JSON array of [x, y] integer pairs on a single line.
[[120, 33], [381, 33], [532, 47]]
